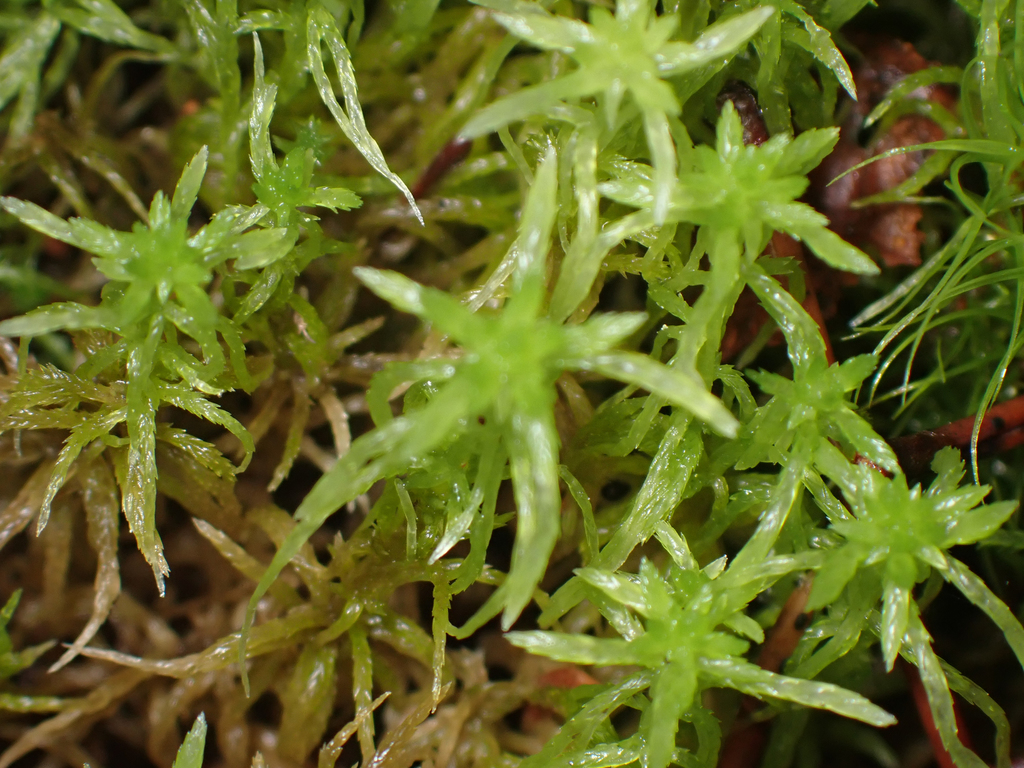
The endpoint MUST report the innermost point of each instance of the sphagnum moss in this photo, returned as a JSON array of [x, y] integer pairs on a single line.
[[528, 413]]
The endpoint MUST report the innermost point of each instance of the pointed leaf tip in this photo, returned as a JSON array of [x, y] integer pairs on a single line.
[[396, 289], [190, 755]]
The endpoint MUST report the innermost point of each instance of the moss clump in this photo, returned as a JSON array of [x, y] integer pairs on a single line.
[[441, 313]]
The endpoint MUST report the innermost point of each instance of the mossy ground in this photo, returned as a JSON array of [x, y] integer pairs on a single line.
[[437, 384]]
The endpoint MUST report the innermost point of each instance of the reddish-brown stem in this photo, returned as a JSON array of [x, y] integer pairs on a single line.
[[451, 154], [784, 635], [858, 459], [1002, 428]]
